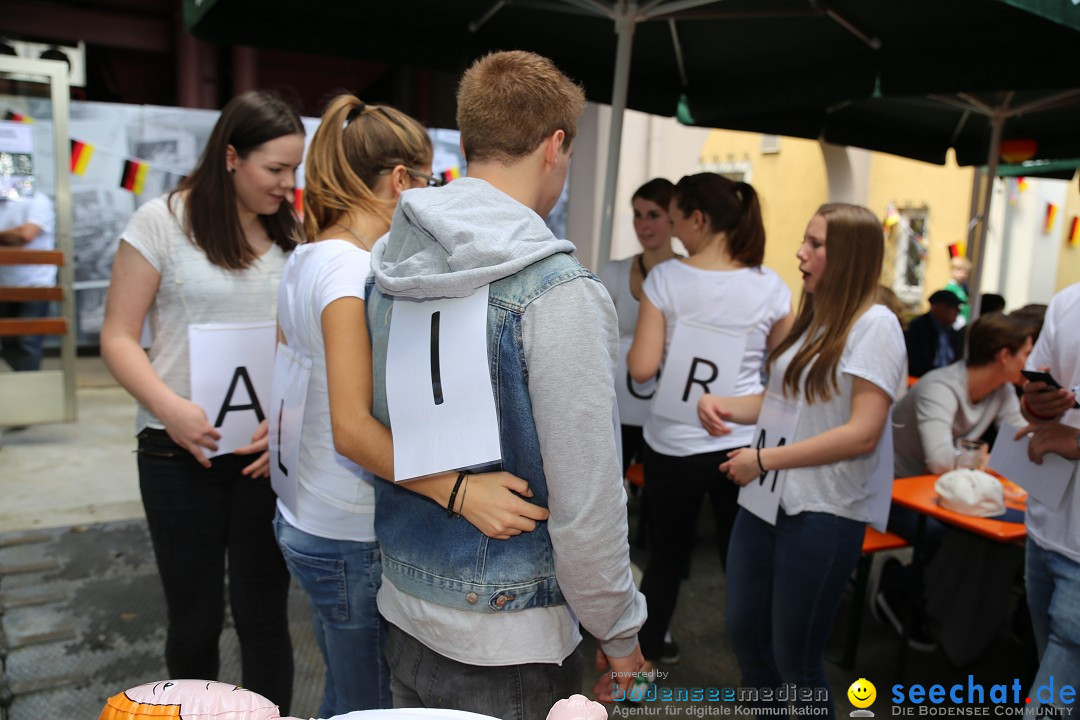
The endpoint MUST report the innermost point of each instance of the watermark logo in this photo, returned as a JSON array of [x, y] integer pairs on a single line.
[[862, 695]]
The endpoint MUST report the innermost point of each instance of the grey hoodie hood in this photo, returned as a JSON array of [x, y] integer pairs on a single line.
[[451, 241]]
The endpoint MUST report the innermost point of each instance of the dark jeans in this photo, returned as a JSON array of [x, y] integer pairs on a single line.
[[784, 585], [197, 518], [23, 352], [422, 678], [677, 486], [633, 444]]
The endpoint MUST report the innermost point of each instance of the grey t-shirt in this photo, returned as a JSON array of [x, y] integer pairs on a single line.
[[937, 411]]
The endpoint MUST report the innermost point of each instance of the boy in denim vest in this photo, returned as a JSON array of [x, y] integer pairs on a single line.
[[485, 625]]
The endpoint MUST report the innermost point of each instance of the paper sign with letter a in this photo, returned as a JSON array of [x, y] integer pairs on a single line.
[[231, 368], [635, 399], [438, 386], [288, 398], [777, 422], [701, 359]]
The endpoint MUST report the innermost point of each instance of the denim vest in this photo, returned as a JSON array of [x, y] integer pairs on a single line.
[[445, 560]]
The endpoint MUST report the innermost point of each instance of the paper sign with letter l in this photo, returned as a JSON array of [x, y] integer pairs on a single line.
[[635, 399], [438, 386], [701, 359], [288, 398], [231, 369], [777, 422]]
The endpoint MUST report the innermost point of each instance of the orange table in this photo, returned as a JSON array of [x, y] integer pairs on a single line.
[[917, 493]]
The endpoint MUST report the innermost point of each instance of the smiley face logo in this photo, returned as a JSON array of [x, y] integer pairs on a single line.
[[862, 693]]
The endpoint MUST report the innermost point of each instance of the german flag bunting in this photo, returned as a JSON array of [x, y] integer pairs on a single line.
[[1074, 232], [134, 176], [1051, 216], [451, 174], [80, 156], [13, 116]]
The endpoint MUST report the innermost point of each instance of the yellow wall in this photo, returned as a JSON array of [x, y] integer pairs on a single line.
[[793, 183], [1069, 260]]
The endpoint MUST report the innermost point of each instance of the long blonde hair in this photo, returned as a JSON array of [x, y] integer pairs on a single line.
[[855, 248], [354, 143]]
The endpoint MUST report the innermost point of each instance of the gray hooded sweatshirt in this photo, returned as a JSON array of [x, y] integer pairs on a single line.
[[449, 242]]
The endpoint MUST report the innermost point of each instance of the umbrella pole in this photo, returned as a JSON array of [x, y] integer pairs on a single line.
[[625, 19], [977, 253]]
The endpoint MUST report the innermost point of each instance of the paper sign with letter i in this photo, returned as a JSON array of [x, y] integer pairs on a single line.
[[777, 422], [288, 399], [438, 386], [231, 369]]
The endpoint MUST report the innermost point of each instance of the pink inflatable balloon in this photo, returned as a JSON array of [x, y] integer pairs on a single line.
[[189, 700], [577, 707]]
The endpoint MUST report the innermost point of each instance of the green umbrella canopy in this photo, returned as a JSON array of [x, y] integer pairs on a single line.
[[738, 55]]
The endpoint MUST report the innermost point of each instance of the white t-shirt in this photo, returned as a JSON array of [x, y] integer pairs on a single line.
[[616, 278], [749, 301], [1059, 349], [36, 209], [874, 351], [193, 290], [335, 496]]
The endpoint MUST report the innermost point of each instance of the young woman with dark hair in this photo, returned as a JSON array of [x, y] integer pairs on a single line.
[[624, 279], [736, 311], [840, 366], [210, 252]]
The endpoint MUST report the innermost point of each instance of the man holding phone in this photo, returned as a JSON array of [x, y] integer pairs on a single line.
[[1053, 548]]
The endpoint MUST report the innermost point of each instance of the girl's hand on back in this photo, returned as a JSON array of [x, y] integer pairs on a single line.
[[260, 443], [712, 414], [493, 504]]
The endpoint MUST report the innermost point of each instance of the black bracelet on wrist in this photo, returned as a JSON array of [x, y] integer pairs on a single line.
[[453, 494], [762, 467]]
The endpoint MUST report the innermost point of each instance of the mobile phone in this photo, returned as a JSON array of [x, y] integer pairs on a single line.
[[1044, 377]]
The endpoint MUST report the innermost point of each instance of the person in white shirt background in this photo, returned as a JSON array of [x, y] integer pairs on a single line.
[[724, 286], [28, 223]]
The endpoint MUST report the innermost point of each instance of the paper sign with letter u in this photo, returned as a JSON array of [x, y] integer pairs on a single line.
[[777, 422], [438, 386], [288, 399], [634, 398], [231, 369], [701, 359]]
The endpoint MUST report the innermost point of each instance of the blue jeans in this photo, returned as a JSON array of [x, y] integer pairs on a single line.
[[1053, 595], [784, 585], [422, 677], [341, 578]]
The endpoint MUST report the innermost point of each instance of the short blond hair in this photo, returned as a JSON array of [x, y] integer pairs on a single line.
[[508, 102]]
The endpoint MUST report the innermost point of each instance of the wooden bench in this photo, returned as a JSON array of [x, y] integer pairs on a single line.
[[873, 542], [31, 326]]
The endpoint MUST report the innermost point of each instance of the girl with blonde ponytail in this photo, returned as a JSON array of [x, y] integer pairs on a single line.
[[360, 161]]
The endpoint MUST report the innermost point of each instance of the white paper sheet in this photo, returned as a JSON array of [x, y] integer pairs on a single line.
[[635, 399], [288, 399], [777, 422], [438, 386], [1046, 483], [232, 366], [700, 359]]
